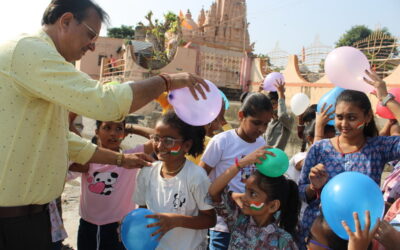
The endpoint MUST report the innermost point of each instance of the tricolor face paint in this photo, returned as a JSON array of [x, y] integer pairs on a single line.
[[254, 205], [361, 125], [175, 150]]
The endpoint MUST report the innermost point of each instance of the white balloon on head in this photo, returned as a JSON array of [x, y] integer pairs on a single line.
[[345, 67]]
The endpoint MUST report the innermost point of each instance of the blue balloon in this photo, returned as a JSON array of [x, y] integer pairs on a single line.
[[134, 233], [329, 98], [350, 192], [226, 101]]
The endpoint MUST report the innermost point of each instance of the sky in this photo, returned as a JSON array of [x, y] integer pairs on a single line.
[[291, 23]]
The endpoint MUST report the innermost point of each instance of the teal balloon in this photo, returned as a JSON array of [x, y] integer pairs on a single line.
[[350, 192], [134, 233], [226, 101], [274, 166], [329, 98]]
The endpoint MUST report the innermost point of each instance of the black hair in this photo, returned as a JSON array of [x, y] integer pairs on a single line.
[[361, 100], [78, 8], [273, 95], [309, 131], [194, 133], [255, 103], [243, 96], [334, 241], [309, 113], [329, 129], [286, 191], [98, 124]]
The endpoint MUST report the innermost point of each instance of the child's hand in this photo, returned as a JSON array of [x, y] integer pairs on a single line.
[[137, 160], [255, 157], [322, 118], [318, 176], [387, 235], [378, 83], [166, 222], [360, 239]]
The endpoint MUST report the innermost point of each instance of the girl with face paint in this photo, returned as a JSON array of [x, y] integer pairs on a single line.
[[264, 216], [174, 188], [357, 148]]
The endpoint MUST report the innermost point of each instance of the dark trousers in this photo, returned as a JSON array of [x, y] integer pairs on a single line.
[[26, 232], [105, 237]]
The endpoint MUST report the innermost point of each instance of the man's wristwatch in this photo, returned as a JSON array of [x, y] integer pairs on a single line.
[[386, 99]]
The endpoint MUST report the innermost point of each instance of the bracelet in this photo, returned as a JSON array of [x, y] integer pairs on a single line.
[[237, 163], [300, 125], [120, 159], [319, 136], [167, 81]]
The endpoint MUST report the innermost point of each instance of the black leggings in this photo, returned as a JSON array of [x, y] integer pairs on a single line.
[[92, 236]]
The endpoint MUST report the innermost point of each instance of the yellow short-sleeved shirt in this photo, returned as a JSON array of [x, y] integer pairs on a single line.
[[37, 87]]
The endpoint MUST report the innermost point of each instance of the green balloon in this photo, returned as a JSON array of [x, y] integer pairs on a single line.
[[274, 166]]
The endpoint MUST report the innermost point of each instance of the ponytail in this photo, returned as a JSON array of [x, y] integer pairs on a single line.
[[286, 191], [291, 209]]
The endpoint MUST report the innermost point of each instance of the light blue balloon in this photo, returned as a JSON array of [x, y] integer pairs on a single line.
[[330, 98], [350, 192], [226, 101], [134, 233]]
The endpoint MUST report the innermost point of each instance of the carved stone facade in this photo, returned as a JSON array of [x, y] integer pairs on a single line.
[[224, 25], [221, 39]]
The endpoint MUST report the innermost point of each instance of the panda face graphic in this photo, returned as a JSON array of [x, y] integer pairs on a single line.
[[103, 182], [106, 177]]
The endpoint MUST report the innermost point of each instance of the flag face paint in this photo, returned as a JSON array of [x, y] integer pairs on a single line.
[[361, 125], [175, 150], [256, 205]]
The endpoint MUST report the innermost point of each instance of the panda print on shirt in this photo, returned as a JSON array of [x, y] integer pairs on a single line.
[[179, 200], [102, 182]]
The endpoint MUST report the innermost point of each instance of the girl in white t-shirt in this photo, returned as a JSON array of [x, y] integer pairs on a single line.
[[174, 188], [224, 148]]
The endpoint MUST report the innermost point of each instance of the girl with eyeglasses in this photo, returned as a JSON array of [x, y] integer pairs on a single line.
[[174, 188]]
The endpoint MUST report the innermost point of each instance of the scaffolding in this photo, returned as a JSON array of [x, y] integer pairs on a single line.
[[311, 60], [382, 52], [278, 58]]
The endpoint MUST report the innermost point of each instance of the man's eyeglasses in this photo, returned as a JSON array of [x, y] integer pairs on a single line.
[[93, 34], [168, 142]]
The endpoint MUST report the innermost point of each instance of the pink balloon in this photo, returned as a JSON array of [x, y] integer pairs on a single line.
[[345, 67], [384, 112], [196, 113], [271, 80]]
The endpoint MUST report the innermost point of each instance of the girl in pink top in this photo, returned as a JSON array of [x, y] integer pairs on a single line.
[[106, 192]]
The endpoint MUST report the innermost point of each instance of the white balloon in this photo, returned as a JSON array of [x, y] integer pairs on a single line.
[[299, 103], [345, 67]]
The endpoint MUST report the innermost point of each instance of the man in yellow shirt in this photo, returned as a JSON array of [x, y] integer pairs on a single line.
[[38, 85]]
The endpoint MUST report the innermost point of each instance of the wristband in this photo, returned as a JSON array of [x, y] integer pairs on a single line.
[[237, 163], [386, 99]]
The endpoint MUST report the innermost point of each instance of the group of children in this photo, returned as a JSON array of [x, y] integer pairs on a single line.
[[218, 200]]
